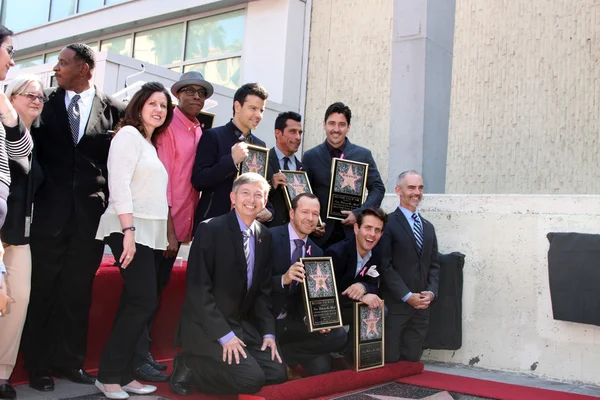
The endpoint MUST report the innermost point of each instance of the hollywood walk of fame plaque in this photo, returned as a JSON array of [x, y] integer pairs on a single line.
[[320, 294], [369, 344], [297, 183], [348, 187], [256, 161]]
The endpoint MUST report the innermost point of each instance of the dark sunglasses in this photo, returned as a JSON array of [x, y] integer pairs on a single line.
[[190, 91]]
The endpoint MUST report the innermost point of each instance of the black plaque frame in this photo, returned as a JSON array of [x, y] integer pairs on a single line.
[[252, 150], [312, 302], [339, 201], [376, 345], [286, 190]]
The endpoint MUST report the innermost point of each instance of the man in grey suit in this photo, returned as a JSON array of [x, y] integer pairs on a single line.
[[410, 272], [317, 164]]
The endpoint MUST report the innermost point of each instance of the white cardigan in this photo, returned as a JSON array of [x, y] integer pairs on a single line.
[[137, 183]]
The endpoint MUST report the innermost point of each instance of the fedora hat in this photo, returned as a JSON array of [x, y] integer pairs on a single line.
[[192, 78]]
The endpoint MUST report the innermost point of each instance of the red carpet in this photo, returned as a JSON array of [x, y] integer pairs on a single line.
[[105, 301], [479, 387]]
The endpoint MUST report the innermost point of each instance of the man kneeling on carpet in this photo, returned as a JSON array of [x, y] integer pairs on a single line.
[[226, 328], [356, 263], [291, 242]]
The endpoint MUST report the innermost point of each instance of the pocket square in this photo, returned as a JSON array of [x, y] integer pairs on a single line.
[[372, 272]]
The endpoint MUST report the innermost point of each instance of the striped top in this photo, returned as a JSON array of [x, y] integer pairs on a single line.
[[15, 142]]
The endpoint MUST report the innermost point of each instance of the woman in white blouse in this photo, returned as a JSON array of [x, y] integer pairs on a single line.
[[135, 227]]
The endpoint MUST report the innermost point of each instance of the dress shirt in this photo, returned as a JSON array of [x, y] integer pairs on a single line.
[[294, 236], [408, 214], [360, 261], [250, 269], [281, 156], [336, 152], [85, 106], [176, 149]]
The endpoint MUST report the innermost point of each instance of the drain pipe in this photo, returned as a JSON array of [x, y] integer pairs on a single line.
[[304, 76]]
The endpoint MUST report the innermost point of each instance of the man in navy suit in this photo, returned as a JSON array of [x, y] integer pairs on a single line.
[[291, 242], [288, 136], [410, 272], [357, 261], [221, 149], [317, 164]]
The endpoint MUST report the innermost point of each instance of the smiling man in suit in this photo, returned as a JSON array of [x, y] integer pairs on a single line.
[[288, 137], [410, 272], [317, 164], [72, 147], [227, 329], [291, 242]]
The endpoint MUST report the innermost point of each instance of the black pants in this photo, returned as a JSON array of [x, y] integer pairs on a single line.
[[310, 350], [138, 302], [405, 331], [63, 270], [212, 375], [163, 274]]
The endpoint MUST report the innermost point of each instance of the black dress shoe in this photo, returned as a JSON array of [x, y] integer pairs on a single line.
[[147, 373], [181, 378], [7, 392], [41, 380], [76, 375], [155, 364]]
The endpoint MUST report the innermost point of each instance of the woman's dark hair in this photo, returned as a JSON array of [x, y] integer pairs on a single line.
[[133, 112], [4, 33]]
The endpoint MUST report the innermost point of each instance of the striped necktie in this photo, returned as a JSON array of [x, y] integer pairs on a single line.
[[418, 231], [247, 234], [74, 118]]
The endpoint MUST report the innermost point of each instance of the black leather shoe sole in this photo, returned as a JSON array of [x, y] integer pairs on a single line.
[[7, 392], [43, 384]]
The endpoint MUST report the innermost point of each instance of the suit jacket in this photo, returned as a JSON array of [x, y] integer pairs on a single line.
[[284, 298], [403, 269], [74, 176], [344, 257], [317, 164], [217, 299], [281, 215], [214, 170]]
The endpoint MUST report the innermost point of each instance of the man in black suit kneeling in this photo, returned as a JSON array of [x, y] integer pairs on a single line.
[[290, 242], [226, 328]]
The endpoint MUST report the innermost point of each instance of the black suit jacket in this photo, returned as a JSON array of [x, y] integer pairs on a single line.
[[281, 215], [403, 269], [74, 176], [317, 164], [214, 170], [344, 257], [284, 298], [217, 299]]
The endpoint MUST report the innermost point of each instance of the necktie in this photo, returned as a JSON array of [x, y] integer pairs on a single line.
[[296, 254], [418, 231], [247, 236], [74, 118], [286, 165]]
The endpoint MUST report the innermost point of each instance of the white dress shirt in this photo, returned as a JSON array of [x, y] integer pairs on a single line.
[[85, 107]]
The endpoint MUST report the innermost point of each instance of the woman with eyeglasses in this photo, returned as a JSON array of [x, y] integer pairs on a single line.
[[17, 115]]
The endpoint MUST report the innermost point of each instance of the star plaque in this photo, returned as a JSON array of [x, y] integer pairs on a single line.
[[369, 338], [297, 183], [320, 294], [348, 187], [256, 161]]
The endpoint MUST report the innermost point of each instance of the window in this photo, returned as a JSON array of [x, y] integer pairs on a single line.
[[161, 46], [224, 72], [215, 36], [60, 9], [89, 5], [29, 62], [119, 44], [51, 57]]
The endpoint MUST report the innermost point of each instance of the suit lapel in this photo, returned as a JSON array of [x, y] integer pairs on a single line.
[[260, 252], [57, 102], [273, 161], [98, 106], [237, 244], [402, 219], [284, 240], [352, 260], [298, 164]]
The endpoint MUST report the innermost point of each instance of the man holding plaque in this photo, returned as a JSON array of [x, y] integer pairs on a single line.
[[226, 328], [317, 163], [288, 136], [291, 242], [410, 272], [221, 149]]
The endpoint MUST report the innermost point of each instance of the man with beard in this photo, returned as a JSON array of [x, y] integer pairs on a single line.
[[291, 242], [410, 272], [288, 136]]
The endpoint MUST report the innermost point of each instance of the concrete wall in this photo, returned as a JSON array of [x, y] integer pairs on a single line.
[[507, 314], [525, 94], [350, 61]]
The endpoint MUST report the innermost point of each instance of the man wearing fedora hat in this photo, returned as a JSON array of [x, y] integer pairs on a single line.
[[176, 149]]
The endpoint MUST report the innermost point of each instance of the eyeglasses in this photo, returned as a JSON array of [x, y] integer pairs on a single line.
[[10, 50], [190, 91], [33, 97]]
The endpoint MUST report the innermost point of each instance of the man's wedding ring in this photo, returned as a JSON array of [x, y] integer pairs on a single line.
[[127, 256]]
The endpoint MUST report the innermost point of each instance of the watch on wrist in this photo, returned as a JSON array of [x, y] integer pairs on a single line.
[[129, 228]]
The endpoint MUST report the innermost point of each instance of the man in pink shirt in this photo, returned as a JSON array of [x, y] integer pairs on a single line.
[[177, 150]]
